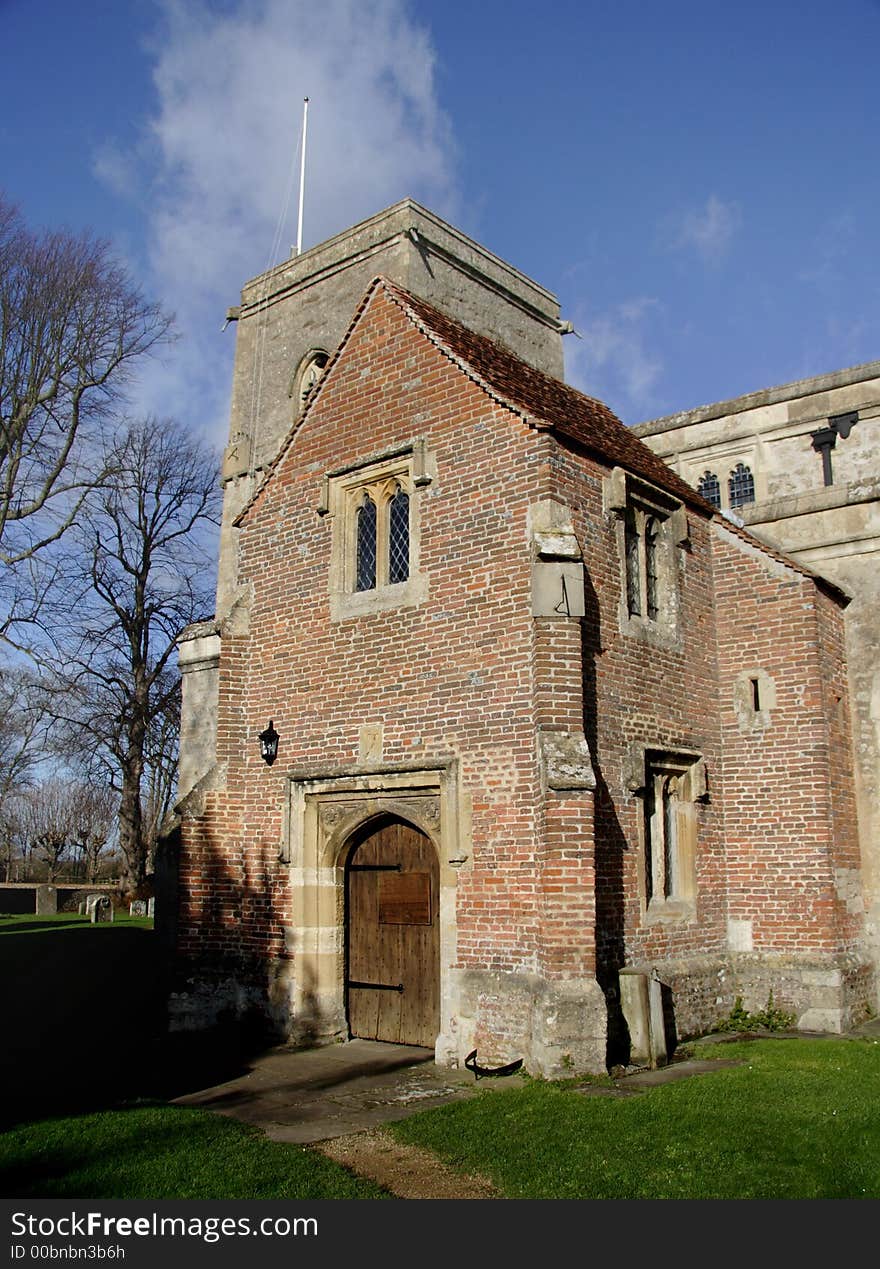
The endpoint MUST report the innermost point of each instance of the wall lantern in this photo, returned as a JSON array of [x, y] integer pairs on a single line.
[[269, 744]]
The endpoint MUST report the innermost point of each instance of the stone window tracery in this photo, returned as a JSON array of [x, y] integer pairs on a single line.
[[365, 545], [374, 511], [709, 487], [651, 525], [641, 538], [307, 374], [741, 486]]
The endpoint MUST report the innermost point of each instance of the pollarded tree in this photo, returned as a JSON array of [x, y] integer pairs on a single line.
[[72, 327], [48, 824], [145, 561], [94, 814]]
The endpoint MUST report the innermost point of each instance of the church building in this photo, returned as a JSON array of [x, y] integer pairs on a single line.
[[504, 738]]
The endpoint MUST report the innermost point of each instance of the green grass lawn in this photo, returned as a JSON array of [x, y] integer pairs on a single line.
[[84, 1033], [798, 1119], [164, 1152]]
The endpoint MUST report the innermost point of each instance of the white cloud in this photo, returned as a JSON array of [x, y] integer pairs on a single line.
[[708, 230], [613, 359], [223, 146]]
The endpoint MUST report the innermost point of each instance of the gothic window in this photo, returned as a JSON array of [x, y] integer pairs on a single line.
[[710, 488], [309, 371], [381, 541], [374, 514], [633, 562], [651, 577], [741, 486], [649, 524]]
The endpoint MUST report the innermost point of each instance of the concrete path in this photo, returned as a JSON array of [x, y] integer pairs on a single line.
[[312, 1095]]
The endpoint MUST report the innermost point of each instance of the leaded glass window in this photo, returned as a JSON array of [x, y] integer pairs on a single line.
[[741, 486], [710, 487], [398, 537], [365, 578]]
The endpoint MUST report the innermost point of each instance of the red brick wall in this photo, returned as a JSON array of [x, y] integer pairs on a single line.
[[555, 885], [787, 823], [451, 677], [640, 695]]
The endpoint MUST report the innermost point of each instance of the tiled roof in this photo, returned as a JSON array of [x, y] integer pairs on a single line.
[[544, 399]]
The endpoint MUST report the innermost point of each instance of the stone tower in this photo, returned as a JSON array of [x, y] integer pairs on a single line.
[[292, 317], [289, 323]]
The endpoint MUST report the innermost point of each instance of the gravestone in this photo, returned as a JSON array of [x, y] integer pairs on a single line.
[[47, 901], [99, 908], [138, 908], [151, 907]]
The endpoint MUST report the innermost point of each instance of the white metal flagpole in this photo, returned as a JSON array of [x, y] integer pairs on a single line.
[[302, 177]]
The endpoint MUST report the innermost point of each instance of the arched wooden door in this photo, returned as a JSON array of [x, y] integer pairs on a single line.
[[393, 936]]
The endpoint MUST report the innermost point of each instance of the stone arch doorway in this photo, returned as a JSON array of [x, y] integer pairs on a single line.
[[392, 934]]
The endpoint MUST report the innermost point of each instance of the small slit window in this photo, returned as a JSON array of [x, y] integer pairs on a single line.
[[651, 568]]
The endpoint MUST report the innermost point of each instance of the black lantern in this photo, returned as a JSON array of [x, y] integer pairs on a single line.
[[269, 744]]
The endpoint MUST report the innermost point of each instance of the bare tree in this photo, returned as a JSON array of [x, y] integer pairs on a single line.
[[94, 809], [145, 552], [72, 325], [14, 846], [22, 727], [48, 824]]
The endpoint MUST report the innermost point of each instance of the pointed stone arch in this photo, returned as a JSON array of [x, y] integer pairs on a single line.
[[392, 928], [327, 814]]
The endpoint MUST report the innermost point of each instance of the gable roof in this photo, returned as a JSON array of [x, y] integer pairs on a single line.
[[543, 400], [540, 400]]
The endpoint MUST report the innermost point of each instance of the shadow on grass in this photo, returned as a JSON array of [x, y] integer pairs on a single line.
[[83, 1009]]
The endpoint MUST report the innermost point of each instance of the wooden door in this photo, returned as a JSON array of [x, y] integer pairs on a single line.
[[393, 934]]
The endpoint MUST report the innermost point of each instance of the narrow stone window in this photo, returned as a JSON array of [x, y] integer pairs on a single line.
[[710, 488], [365, 578], [633, 569], [307, 374], [649, 525], [673, 784], [641, 544], [741, 486], [756, 693], [651, 529], [661, 835], [398, 537]]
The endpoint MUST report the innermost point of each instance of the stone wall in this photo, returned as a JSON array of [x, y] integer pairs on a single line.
[[833, 529]]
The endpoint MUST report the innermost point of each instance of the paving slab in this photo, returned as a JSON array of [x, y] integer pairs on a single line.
[[309, 1095]]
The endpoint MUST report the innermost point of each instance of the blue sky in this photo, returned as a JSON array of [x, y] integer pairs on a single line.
[[697, 182]]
